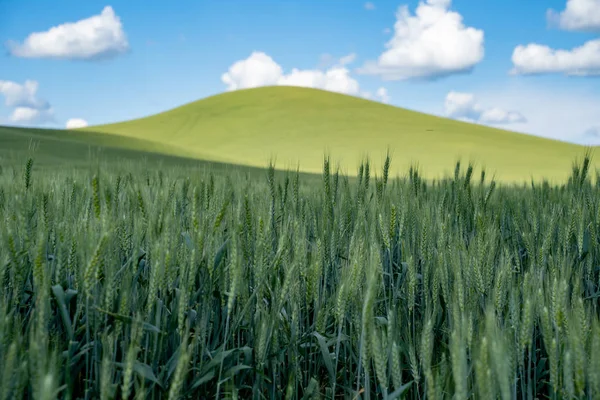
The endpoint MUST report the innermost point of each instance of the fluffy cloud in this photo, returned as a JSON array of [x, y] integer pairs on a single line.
[[432, 43], [539, 59], [99, 36], [259, 69], [23, 99], [17, 95], [369, 6], [28, 115], [75, 123], [461, 105], [535, 58], [560, 113], [464, 106], [579, 15]]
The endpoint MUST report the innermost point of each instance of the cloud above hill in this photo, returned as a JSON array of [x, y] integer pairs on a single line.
[[432, 43], [259, 69], [75, 123], [564, 113], [464, 106], [97, 37]]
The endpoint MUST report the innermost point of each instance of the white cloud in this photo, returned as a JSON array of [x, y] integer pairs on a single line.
[[17, 95], [26, 107], [369, 6], [259, 69], [24, 114], [28, 115], [579, 15], [539, 59], [335, 79], [464, 106], [461, 105], [584, 60], [383, 95], [497, 115], [432, 43], [99, 36], [75, 123], [562, 113]]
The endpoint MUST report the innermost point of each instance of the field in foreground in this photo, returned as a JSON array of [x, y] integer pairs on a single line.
[[297, 125], [134, 282]]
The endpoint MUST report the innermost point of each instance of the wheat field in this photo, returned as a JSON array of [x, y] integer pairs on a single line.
[[124, 281]]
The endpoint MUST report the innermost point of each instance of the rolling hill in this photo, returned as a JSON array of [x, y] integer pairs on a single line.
[[298, 125]]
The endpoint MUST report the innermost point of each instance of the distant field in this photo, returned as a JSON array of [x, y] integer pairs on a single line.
[[298, 125], [71, 149], [54, 147]]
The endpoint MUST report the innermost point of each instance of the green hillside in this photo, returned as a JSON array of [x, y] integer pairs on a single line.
[[68, 149], [51, 148], [298, 125]]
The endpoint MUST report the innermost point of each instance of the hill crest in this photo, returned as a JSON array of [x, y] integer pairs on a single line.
[[297, 126]]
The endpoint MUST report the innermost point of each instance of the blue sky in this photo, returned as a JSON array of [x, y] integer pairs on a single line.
[[127, 59]]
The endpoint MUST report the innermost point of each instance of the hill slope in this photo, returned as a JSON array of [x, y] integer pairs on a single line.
[[298, 125], [72, 149]]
